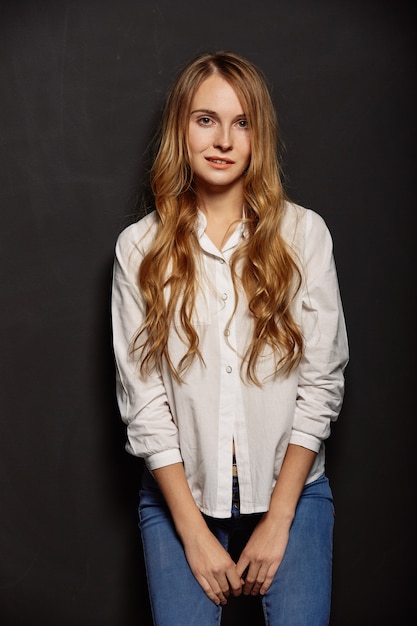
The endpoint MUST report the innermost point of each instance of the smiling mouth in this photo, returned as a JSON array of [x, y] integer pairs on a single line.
[[220, 161]]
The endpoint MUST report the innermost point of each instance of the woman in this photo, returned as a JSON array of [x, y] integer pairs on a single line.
[[230, 347]]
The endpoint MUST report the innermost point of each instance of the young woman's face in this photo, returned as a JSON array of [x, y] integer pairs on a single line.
[[219, 146]]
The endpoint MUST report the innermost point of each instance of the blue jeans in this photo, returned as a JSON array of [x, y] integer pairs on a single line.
[[300, 592]]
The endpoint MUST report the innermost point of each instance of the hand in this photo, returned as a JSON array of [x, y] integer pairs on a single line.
[[263, 555], [212, 566]]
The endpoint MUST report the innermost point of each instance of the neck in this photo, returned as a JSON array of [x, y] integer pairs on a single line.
[[224, 205], [223, 212]]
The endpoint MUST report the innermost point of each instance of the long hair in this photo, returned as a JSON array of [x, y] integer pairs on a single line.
[[267, 272]]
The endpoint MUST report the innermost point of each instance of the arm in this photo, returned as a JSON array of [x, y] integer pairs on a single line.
[[143, 402], [266, 547], [210, 563], [319, 399], [153, 435]]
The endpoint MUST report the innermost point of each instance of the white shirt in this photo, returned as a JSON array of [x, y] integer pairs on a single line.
[[197, 421]]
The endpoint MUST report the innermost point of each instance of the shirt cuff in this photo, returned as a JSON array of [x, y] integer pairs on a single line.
[[161, 459], [305, 441]]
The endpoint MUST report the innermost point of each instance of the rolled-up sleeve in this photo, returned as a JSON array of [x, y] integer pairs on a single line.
[[143, 403], [321, 373]]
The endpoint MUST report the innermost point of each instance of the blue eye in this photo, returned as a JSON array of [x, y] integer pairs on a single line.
[[243, 124], [204, 120]]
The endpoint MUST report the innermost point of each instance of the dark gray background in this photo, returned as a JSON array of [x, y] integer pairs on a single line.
[[82, 83]]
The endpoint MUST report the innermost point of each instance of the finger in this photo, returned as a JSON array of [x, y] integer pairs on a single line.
[[241, 567], [235, 583], [268, 581], [260, 580], [250, 580], [217, 598], [220, 588], [257, 586]]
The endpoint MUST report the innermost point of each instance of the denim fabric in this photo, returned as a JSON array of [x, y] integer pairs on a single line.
[[300, 592]]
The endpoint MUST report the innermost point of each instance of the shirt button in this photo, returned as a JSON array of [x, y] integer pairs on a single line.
[[222, 260], [224, 296], [228, 369], [226, 332]]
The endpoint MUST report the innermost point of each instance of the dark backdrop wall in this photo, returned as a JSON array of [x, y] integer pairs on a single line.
[[82, 83]]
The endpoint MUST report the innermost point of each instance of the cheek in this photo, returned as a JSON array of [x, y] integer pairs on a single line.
[[190, 140], [245, 143], [196, 141]]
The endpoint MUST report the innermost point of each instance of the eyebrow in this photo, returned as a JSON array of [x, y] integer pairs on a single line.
[[204, 111]]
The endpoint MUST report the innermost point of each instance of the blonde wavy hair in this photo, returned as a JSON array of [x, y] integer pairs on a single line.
[[268, 272]]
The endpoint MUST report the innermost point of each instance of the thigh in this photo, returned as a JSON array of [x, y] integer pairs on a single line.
[[301, 590], [176, 597]]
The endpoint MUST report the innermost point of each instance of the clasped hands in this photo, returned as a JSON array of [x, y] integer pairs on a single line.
[[219, 576]]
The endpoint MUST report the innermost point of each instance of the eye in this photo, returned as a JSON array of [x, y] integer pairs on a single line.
[[243, 123], [204, 121]]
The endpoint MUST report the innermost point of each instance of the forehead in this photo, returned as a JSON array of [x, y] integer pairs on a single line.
[[216, 94]]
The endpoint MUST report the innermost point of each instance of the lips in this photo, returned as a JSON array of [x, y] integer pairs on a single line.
[[219, 161]]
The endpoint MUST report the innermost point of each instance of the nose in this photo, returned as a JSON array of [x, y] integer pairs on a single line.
[[223, 139]]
